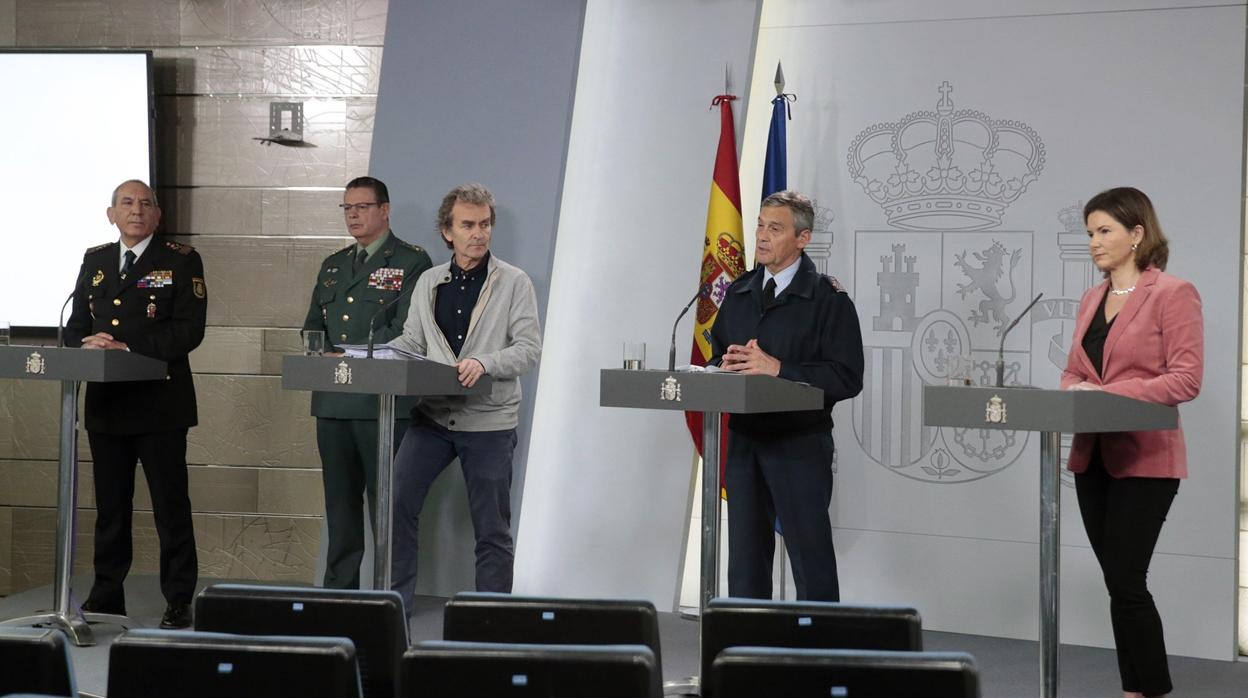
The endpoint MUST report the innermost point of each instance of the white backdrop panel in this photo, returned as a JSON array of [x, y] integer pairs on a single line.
[[606, 489], [1079, 102]]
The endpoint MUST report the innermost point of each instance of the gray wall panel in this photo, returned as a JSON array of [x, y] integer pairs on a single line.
[[97, 23], [273, 70], [488, 100], [287, 22], [260, 282], [250, 420], [213, 144], [8, 37]]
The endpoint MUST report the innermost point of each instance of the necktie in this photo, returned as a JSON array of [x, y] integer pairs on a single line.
[[360, 257], [769, 293], [130, 257]]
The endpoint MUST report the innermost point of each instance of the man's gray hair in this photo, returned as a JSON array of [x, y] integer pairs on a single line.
[[134, 181], [802, 207], [470, 193]]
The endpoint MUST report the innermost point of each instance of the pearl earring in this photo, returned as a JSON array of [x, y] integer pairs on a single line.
[[1134, 245]]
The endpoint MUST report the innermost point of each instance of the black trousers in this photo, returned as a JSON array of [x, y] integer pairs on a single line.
[[163, 455], [1123, 518], [789, 479], [348, 449]]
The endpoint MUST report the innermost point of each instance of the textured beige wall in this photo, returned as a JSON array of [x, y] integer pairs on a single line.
[[262, 217]]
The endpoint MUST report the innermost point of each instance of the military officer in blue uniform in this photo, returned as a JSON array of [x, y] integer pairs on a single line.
[[352, 290], [147, 296], [784, 318]]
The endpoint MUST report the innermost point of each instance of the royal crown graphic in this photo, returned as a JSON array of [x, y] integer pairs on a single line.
[[946, 169]]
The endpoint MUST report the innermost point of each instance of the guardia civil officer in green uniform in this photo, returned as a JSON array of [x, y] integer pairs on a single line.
[[351, 289]]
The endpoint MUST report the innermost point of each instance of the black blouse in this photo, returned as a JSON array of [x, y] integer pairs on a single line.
[[1094, 339]]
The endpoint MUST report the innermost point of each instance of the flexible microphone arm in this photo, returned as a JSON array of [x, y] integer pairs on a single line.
[[373, 320], [60, 322], [1001, 349], [671, 352]]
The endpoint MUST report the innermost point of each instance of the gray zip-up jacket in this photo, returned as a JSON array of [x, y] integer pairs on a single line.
[[503, 334]]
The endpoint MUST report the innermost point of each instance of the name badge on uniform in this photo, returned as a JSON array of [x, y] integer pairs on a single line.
[[386, 279], [156, 279]]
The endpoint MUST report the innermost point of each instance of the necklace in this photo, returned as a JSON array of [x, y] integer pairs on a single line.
[[1122, 292]]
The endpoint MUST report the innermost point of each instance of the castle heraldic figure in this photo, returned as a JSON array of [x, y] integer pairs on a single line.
[[479, 314], [147, 296], [783, 318], [352, 287]]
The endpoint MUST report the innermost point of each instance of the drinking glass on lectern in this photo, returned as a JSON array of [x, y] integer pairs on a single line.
[[313, 343], [634, 356]]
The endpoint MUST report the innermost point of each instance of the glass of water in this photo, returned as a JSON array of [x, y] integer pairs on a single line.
[[5, 338], [313, 343], [634, 356]]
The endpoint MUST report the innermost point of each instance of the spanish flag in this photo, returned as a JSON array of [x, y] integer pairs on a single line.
[[723, 251]]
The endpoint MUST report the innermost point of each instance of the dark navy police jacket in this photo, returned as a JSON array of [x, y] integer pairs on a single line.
[[812, 328]]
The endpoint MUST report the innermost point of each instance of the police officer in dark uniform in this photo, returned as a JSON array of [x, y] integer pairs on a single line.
[[351, 289], [784, 318], [147, 296]]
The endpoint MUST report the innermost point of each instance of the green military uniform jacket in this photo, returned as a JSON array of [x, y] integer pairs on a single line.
[[343, 302]]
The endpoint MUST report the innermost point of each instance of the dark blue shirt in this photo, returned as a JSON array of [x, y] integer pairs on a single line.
[[453, 306]]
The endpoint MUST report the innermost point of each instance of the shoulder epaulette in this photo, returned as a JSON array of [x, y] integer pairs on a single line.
[[179, 247], [834, 283], [97, 248], [410, 246], [346, 249]]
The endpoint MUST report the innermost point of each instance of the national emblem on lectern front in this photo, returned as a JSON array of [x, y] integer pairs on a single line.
[[670, 390], [342, 374], [994, 411], [35, 363]]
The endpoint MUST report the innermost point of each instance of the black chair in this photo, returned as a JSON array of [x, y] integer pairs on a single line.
[[160, 663], [772, 672], [34, 660], [486, 617], [733, 622], [502, 670], [372, 620]]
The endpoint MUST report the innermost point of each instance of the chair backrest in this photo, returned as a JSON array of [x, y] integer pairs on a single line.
[[147, 663], [372, 620], [772, 672], [35, 660], [487, 617], [733, 622], [503, 670]]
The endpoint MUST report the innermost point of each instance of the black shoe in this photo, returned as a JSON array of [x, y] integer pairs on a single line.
[[93, 606], [177, 616]]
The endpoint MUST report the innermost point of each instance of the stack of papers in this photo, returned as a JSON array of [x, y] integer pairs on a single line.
[[380, 351]]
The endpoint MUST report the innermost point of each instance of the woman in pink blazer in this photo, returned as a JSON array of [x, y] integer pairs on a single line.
[[1139, 334]]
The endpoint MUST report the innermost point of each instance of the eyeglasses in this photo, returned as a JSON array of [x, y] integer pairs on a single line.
[[358, 208]]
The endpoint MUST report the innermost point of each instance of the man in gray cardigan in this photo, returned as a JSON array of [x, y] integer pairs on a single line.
[[479, 314]]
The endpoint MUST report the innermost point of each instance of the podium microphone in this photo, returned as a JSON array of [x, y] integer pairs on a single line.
[[60, 322], [372, 321], [704, 290], [1001, 349]]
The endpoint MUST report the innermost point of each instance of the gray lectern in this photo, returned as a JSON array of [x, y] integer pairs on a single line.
[[712, 394], [70, 366], [384, 378], [1052, 413]]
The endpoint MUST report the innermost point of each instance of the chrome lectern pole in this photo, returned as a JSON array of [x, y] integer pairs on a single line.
[[1050, 551], [61, 615], [383, 518]]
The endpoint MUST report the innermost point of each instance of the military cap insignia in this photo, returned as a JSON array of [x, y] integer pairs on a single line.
[[386, 279], [98, 278], [198, 286]]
